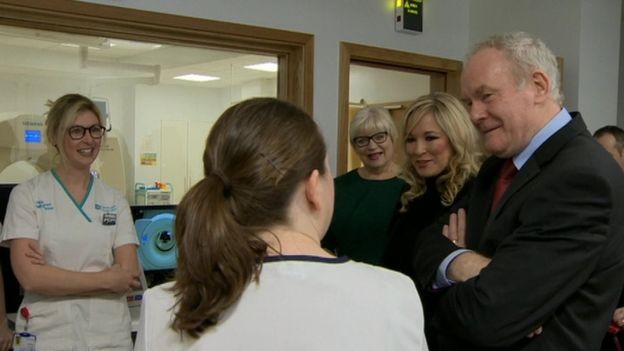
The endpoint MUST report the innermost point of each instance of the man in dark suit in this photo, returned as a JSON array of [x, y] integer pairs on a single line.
[[544, 265], [612, 139]]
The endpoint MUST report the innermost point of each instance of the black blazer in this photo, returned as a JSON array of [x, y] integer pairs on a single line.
[[557, 246]]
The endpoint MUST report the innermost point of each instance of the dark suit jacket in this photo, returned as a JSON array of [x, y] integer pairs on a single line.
[[422, 212], [557, 246]]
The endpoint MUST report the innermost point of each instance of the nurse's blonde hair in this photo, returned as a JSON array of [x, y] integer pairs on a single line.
[[62, 115]]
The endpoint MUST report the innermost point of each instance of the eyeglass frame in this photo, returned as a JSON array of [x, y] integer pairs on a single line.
[[102, 129], [368, 139]]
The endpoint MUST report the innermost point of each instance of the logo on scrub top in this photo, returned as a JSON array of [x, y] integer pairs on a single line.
[[44, 205], [107, 209]]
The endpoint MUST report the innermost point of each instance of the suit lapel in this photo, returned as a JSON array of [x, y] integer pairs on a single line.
[[484, 186], [481, 198], [524, 175]]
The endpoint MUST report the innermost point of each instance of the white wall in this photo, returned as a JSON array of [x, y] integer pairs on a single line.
[[156, 103], [377, 85], [585, 33], [368, 22], [29, 93], [599, 61]]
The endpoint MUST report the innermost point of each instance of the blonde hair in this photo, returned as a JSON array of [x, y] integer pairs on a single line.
[[372, 119], [61, 116], [467, 154]]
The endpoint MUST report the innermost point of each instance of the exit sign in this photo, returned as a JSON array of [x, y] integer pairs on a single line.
[[408, 16]]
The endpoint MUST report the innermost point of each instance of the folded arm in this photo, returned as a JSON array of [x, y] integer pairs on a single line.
[[551, 252], [40, 278], [467, 264]]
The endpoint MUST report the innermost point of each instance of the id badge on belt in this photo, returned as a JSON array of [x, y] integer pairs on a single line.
[[24, 341]]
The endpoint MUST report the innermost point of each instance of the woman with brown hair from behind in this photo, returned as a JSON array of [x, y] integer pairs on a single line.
[[251, 271]]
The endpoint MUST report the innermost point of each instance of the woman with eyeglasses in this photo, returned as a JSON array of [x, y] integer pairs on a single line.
[[72, 240], [367, 196]]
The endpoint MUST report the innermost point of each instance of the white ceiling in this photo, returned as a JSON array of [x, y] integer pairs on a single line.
[[55, 54]]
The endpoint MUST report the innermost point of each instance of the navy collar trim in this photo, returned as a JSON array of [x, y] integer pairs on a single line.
[[307, 258]]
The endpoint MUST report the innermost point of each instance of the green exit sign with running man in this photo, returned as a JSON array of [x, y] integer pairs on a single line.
[[408, 16]]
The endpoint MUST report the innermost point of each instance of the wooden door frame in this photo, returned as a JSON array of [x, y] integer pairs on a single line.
[[295, 51], [388, 59]]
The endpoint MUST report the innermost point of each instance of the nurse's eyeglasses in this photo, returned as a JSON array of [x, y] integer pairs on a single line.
[[363, 141], [78, 132]]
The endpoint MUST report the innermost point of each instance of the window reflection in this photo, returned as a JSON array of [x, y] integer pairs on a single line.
[[159, 121]]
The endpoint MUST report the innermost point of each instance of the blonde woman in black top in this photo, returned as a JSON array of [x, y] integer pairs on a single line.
[[443, 154]]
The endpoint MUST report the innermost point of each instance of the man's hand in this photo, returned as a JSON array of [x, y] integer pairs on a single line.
[[535, 333], [618, 316], [455, 231], [466, 265]]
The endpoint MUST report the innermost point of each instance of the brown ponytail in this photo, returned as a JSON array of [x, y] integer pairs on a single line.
[[251, 172]]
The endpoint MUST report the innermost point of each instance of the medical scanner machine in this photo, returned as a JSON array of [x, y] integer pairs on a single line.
[[24, 152]]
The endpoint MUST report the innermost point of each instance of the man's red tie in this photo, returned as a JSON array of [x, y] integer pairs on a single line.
[[508, 171]]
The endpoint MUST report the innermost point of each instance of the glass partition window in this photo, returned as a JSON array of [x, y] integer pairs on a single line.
[[160, 102]]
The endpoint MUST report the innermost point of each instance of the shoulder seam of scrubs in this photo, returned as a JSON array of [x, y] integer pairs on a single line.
[[78, 206]]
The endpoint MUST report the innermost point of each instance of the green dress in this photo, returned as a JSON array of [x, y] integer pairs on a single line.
[[362, 214]]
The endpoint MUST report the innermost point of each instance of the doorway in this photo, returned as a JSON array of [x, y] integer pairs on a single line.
[[411, 75]]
